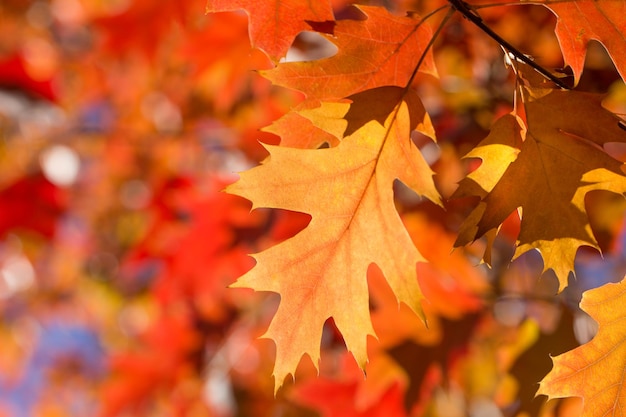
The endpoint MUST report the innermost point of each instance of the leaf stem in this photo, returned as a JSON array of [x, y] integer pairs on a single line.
[[430, 42], [471, 15]]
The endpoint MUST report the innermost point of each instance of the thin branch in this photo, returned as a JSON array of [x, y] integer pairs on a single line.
[[526, 3], [431, 41], [470, 14]]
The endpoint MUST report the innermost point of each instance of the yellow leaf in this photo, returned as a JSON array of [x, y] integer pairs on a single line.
[[595, 371], [348, 191], [545, 167]]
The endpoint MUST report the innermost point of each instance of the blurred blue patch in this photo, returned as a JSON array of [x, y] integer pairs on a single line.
[[58, 342]]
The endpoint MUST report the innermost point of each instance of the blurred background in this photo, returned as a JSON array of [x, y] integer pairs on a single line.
[[122, 121]]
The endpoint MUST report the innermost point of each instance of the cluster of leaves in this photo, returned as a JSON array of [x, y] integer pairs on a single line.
[[113, 278], [541, 160]]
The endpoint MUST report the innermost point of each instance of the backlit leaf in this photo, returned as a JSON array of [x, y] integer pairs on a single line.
[[275, 24], [546, 167], [595, 371], [348, 190], [584, 20]]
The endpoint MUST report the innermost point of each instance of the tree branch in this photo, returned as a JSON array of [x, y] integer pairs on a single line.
[[470, 14]]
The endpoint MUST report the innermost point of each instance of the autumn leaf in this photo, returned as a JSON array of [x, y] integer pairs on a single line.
[[545, 166], [382, 50], [602, 360], [348, 191], [275, 24], [584, 20]]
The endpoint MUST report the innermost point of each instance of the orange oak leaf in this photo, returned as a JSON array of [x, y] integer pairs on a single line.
[[348, 191], [382, 50], [546, 167], [580, 21], [595, 371], [274, 24]]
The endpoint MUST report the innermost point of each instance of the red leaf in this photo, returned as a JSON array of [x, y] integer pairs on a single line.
[[583, 20], [275, 24]]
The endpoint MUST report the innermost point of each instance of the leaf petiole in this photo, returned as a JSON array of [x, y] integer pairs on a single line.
[[430, 43]]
